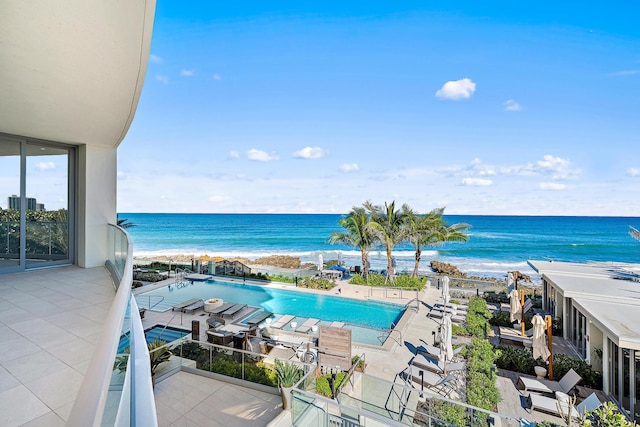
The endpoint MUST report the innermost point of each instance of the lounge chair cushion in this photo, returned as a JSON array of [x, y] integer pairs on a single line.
[[566, 383], [554, 406]]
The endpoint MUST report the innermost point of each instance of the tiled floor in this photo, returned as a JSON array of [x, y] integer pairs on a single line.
[[50, 321], [185, 399]]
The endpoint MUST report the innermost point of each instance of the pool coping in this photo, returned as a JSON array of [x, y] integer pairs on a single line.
[[386, 346]]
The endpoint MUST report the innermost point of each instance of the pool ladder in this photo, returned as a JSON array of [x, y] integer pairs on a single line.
[[383, 338]]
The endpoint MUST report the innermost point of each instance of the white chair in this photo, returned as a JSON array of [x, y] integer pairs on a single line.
[[561, 406], [565, 385]]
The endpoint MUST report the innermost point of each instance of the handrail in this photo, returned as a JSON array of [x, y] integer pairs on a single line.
[[90, 401]]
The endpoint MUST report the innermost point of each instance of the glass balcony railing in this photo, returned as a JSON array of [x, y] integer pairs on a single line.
[[371, 400], [117, 389]]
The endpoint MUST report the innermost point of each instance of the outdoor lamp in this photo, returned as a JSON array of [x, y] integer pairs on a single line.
[[269, 320], [294, 325]]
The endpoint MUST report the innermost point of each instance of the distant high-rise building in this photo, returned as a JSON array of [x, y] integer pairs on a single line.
[[13, 202], [40, 207]]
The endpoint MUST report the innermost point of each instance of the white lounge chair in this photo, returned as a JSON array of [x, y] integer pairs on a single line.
[[554, 405], [435, 365], [565, 385], [423, 379], [307, 325], [282, 321], [438, 314], [434, 352], [337, 324]]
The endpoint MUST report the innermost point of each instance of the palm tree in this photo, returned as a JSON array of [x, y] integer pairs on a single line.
[[389, 226], [357, 233], [634, 232], [124, 223], [430, 230]]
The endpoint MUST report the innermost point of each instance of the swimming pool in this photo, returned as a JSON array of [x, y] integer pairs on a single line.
[[160, 332], [375, 316]]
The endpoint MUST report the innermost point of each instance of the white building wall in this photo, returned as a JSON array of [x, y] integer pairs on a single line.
[[97, 195]]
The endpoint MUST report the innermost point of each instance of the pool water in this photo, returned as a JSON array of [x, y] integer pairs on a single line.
[[167, 334], [370, 321]]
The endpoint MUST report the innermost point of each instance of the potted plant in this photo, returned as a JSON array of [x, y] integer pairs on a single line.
[[288, 375]]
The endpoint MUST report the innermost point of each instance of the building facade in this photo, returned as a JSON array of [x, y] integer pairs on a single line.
[[599, 305]]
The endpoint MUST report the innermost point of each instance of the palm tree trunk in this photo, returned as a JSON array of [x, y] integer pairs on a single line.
[[418, 255], [389, 263], [365, 267]]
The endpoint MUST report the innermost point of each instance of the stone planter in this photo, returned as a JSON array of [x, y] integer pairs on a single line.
[[286, 397], [540, 371], [210, 304]]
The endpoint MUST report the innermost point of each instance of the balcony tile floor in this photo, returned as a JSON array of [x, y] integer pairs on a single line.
[[50, 321]]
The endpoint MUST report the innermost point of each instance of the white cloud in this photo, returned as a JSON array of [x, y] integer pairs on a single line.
[[310, 153], [155, 58], [554, 186], [476, 182], [233, 154], [216, 77], [633, 172], [349, 167], [457, 89], [43, 166], [556, 167], [163, 79], [511, 105], [187, 73], [261, 156]]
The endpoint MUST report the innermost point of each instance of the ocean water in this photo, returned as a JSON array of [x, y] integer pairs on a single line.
[[497, 244]]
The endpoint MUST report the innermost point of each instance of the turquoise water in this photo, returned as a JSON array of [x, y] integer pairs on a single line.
[[368, 319], [167, 334], [497, 244]]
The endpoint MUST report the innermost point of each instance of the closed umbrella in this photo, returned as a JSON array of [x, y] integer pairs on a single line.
[[540, 348], [515, 308], [320, 262], [445, 287], [446, 348], [510, 282]]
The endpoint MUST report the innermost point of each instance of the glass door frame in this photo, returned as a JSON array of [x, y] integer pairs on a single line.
[[72, 207]]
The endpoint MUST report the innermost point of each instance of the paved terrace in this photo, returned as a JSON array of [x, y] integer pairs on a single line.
[[50, 322]]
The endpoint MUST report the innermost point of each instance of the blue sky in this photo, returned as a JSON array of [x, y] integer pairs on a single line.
[[503, 108]]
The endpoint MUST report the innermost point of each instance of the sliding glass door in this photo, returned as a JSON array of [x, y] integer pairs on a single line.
[[9, 210], [37, 220]]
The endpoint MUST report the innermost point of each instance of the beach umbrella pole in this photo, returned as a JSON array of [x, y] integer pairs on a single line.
[[522, 310], [550, 343]]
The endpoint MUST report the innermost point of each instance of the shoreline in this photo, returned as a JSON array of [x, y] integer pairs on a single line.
[[291, 265]]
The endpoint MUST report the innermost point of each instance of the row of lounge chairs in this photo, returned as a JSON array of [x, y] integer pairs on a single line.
[[560, 404], [190, 305]]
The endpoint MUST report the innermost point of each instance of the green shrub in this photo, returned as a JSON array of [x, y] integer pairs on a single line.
[[607, 415], [478, 315], [459, 330], [317, 283], [323, 384], [501, 319], [481, 384], [453, 415], [136, 284], [562, 363], [401, 281]]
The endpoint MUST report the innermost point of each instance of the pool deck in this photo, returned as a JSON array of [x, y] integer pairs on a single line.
[[386, 362]]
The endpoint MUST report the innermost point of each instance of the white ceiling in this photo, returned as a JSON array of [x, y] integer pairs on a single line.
[[72, 70]]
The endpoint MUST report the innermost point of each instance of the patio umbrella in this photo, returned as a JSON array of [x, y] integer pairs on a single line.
[[339, 258], [515, 307], [445, 289], [446, 349], [320, 262], [540, 348], [510, 282]]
